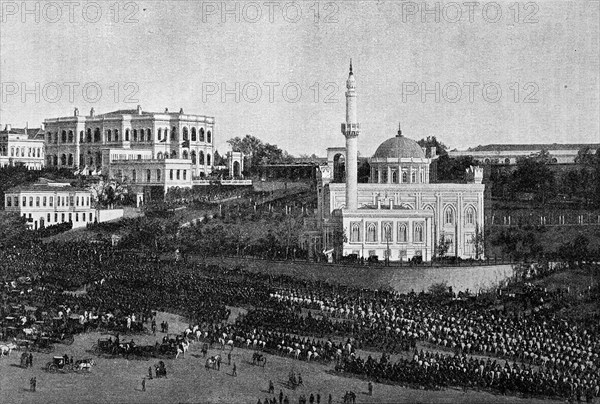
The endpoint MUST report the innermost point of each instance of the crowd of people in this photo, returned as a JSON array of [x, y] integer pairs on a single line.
[[534, 350]]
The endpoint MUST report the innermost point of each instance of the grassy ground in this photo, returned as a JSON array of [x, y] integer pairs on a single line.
[[119, 380]]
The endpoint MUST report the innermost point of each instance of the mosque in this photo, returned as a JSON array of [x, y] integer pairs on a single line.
[[399, 214]]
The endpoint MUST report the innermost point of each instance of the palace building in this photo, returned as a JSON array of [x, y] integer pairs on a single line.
[[91, 144], [22, 147], [399, 214]]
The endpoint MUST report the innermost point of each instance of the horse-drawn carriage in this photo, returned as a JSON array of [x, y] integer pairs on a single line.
[[42, 344], [103, 346], [61, 364], [259, 359]]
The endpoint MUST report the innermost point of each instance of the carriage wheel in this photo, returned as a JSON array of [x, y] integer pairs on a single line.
[[52, 368]]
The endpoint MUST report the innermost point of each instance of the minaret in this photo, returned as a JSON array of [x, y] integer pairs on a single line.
[[351, 130]]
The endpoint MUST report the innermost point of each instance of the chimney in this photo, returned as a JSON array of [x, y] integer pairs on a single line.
[[432, 151], [7, 128], [424, 151], [76, 112], [92, 112], [139, 109], [181, 110], [166, 110]]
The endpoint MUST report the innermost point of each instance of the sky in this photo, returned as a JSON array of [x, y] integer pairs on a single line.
[[494, 72]]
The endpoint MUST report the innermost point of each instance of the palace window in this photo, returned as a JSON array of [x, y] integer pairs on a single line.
[[404, 176]]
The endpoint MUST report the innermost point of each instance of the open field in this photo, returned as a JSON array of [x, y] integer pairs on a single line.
[[119, 380]]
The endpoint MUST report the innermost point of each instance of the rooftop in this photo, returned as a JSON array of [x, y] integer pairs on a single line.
[[534, 147]]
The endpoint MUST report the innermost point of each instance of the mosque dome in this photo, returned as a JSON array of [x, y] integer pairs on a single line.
[[399, 147]]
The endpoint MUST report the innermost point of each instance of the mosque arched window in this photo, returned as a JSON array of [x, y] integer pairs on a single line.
[[371, 233], [404, 176], [387, 233], [355, 232], [470, 216], [418, 233], [449, 216], [402, 233]]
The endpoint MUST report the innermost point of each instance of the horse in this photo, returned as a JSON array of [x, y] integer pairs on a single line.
[[258, 359], [84, 364], [6, 349], [182, 348], [211, 363]]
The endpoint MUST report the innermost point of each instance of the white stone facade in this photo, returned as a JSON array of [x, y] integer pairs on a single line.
[[399, 214], [47, 204], [22, 147], [90, 143]]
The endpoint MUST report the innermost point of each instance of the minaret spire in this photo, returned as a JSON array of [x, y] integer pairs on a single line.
[[399, 130], [351, 130]]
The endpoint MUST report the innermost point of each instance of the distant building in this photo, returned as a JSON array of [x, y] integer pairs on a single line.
[[48, 203], [508, 154], [145, 175], [22, 147]]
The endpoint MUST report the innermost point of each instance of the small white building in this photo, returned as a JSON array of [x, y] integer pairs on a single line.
[[48, 203]]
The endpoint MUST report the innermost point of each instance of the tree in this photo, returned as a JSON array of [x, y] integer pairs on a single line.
[[256, 152], [478, 241], [533, 175], [106, 194], [219, 160], [443, 246]]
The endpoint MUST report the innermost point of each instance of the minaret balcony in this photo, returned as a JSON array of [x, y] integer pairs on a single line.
[[349, 127]]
